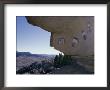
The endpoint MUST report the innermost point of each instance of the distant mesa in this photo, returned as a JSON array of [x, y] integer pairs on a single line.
[[28, 54], [22, 54]]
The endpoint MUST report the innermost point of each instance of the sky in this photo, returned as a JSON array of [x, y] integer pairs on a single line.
[[32, 38]]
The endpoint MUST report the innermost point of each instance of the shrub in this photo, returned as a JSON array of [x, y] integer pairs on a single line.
[[61, 60]]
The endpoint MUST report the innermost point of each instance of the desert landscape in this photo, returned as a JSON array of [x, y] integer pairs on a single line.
[[28, 63]]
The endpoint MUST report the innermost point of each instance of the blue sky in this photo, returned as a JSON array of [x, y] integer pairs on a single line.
[[32, 38]]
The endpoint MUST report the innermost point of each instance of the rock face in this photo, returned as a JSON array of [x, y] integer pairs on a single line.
[[72, 35]]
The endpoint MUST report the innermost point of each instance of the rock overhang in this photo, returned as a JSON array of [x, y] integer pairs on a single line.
[[67, 27]]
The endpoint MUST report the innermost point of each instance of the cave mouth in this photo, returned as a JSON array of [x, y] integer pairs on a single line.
[[33, 39]]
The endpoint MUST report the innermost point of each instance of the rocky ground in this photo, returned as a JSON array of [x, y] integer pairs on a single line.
[[41, 65]]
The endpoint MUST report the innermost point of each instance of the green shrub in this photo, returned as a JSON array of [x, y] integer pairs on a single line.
[[61, 60]]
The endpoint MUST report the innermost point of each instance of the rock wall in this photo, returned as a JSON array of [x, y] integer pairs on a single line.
[[72, 35]]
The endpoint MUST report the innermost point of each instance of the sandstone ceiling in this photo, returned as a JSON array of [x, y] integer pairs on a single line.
[[66, 31], [59, 24]]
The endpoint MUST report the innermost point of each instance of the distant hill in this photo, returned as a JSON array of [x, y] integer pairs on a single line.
[[22, 54], [28, 54]]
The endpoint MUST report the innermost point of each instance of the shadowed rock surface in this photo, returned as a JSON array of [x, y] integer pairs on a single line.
[[72, 35]]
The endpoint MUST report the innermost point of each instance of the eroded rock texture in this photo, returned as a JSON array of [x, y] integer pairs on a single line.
[[72, 35]]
